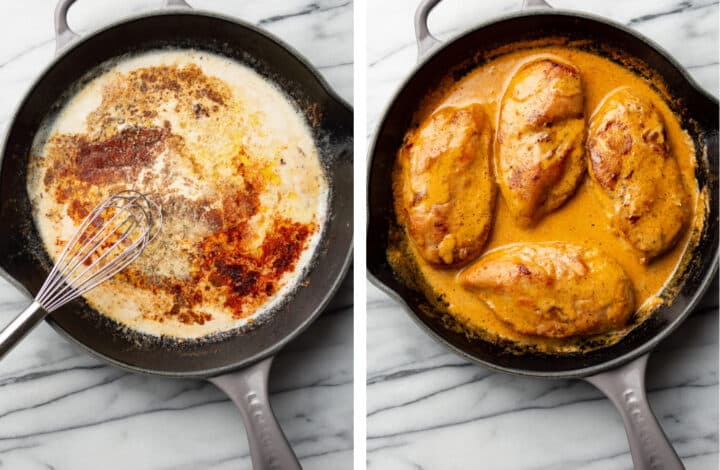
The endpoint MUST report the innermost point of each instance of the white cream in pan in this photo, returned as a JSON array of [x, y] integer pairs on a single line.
[[232, 162]]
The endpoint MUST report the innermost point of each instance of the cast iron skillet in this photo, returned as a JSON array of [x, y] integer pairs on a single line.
[[619, 370], [239, 364]]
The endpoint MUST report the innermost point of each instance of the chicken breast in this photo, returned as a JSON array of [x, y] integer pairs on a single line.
[[448, 193], [631, 161], [539, 153], [552, 289]]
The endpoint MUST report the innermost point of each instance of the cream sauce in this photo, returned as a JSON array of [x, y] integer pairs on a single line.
[[257, 131]]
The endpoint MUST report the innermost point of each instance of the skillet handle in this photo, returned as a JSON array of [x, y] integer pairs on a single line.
[[248, 389], [425, 40], [535, 4], [64, 35], [625, 387], [177, 4]]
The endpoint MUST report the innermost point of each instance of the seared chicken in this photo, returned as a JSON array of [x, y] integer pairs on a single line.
[[447, 192], [539, 154], [632, 163], [552, 289]]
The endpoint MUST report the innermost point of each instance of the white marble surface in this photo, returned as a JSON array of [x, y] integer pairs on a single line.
[[430, 409], [61, 409]]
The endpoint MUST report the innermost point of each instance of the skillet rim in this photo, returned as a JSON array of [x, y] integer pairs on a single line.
[[339, 277], [617, 361]]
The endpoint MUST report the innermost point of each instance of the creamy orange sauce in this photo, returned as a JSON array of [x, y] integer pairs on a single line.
[[582, 220]]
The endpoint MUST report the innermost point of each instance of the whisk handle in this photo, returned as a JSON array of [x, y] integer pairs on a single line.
[[20, 326]]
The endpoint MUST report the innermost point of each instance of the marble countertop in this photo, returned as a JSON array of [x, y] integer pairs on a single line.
[[61, 409], [429, 408]]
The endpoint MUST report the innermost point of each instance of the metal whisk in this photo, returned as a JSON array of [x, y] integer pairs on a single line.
[[111, 237]]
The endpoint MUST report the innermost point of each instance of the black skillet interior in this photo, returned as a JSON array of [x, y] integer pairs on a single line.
[[699, 114], [19, 243]]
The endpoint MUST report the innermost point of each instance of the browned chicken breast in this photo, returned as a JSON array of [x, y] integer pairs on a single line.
[[447, 192], [552, 289], [539, 153], [632, 163]]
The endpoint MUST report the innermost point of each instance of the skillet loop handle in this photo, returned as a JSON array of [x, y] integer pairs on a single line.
[[63, 34], [248, 389], [625, 387], [177, 4], [425, 40], [535, 4]]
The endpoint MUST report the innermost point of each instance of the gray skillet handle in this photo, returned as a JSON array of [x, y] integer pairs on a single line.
[[625, 387], [177, 4], [248, 389], [426, 41], [64, 35], [535, 4]]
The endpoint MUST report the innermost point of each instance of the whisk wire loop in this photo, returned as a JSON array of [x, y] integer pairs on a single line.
[[111, 237]]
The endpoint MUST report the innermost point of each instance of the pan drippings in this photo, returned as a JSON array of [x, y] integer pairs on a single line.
[[230, 159]]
